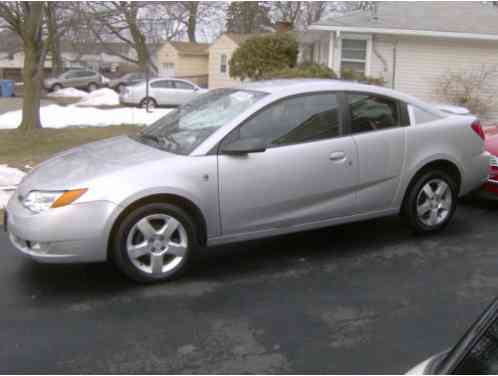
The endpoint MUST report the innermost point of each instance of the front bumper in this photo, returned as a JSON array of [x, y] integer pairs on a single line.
[[74, 233]]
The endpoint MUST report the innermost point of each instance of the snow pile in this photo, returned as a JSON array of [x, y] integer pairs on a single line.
[[9, 178], [101, 97], [55, 116], [69, 92]]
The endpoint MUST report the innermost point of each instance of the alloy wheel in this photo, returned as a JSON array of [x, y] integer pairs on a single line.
[[157, 244], [434, 202]]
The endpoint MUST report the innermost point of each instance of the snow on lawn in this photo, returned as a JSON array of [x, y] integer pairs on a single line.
[[9, 178], [101, 97], [69, 92], [55, 116]]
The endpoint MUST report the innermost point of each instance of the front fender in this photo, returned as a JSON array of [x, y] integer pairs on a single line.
[[210, 218]]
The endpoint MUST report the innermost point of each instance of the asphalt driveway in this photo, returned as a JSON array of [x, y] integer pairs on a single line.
[[363, 298]]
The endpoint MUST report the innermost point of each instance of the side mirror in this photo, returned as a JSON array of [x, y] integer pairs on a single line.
[[477, 350], [241, 147]]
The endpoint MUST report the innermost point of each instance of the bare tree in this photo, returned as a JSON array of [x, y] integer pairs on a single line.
[[248, 17], [288, 11], [119, 21], [26, 19], [191, 13]]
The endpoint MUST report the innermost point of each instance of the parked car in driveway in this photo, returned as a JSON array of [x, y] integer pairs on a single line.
[[235, 164], [476, 353], [128, 79], [77, 78], [162, 92], [490, 189]]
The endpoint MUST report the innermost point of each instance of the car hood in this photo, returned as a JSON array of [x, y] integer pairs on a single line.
[[77, 166]]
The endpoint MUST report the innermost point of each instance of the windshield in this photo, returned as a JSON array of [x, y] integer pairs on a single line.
[[186, 127]]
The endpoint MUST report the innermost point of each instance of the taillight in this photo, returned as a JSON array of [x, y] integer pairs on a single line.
[[476, 126]]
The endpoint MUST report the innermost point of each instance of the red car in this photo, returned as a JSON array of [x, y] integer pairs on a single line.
[[491, 144]]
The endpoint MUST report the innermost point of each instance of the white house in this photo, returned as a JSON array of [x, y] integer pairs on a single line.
[[411, 45]]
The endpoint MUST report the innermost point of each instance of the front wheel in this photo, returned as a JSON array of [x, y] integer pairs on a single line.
[[154, 243], [431, 202]]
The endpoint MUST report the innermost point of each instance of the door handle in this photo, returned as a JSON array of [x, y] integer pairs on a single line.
[[337, 156]]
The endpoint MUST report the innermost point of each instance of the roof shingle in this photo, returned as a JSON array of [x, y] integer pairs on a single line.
[[189, 48], [457, 17]]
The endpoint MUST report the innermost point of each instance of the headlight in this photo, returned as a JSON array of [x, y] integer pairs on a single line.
[[40, 201]]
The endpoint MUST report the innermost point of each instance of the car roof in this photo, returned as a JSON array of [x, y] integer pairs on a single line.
[[170, 79], [287, 87]]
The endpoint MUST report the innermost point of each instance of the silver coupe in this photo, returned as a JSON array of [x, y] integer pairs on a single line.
[[235, 164]]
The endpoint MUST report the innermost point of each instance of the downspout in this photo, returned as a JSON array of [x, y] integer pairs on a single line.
[[395, 51], [379, 56]]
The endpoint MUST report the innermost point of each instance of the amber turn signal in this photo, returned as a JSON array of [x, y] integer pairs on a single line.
[[68, 197]]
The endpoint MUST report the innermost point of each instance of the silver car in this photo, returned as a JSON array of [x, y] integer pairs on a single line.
[[162, 92], [266, 159], [77, 78]]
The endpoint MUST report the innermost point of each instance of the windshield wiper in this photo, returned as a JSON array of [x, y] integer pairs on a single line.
[[159, 140]]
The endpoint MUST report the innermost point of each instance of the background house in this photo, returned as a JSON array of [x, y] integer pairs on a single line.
[[94, 56], [184, 60], [411, 45], [220, 53]]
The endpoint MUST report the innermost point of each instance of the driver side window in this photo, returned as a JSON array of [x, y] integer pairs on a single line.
[[293, 120]]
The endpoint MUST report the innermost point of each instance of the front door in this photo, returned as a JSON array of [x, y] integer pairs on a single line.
[[308, 172]]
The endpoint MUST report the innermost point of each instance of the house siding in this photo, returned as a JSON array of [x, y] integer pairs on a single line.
[[192, 65], [422, 61], [166, 54], [223, 45], [185, 65]]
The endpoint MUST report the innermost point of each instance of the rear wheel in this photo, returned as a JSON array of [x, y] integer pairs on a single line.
[[92, 87], [120, 88], [431, 201], [151, 102], [154, 243]]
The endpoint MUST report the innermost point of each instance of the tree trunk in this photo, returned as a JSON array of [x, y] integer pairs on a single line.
[[192, 23], [32, 78], [193, 10], [54, 41], [57, 64]]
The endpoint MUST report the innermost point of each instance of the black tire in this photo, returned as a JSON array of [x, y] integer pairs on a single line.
[[92, 86], [56, 87], [120, 88], [152, 103], [118, 250], [409, 210]]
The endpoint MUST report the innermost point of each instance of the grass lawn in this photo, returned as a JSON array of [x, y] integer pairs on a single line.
[[20, 149]]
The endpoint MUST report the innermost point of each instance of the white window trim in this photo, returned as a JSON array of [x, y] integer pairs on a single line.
[[223, 74], [368, 38]]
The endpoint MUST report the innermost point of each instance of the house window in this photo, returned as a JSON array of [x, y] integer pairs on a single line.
[[169, 66], [354, 55], [223, 63]]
